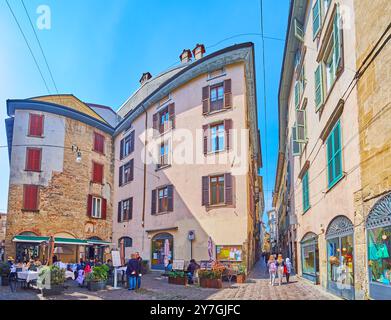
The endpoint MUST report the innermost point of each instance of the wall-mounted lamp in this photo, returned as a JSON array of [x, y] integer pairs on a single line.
[[78, 153]]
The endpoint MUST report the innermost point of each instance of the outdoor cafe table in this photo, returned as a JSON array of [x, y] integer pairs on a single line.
[[28, 276], [69, 274]]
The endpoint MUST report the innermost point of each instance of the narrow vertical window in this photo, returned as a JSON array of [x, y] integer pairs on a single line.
[[35, 125], [33, 159], [305, 186], [334, 155]]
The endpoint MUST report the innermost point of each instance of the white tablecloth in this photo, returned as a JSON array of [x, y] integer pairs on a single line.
[[28, 275], [69, 274]]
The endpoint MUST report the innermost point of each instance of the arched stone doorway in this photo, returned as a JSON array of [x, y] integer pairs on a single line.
[[340, 257], [162, 246], [379, 249]]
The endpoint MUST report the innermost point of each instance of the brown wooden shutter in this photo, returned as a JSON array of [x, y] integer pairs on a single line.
[[227, 94], [205, 190], [132, 141], [205, 99], [170, 196], [89, 205], [171, 112], [119, 218], [153, 202], [131, 170], [121, 170], [104, 209], [228, 189], [121, 149], [30, 197], [156, 121], [227, 128], [205, 129], [130, 212]]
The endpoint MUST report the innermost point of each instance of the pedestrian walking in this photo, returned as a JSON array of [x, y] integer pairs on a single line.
[[271, 266], [132, 271], [280, 268], [287, 269], [140, 260]]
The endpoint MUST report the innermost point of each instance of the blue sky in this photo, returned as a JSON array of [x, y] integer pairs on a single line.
[[97, 50]]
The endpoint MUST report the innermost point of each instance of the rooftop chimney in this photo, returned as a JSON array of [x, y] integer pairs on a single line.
[[145, 77], [198, 51], [185, 56]]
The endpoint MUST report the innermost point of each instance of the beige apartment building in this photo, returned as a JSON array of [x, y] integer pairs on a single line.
[[198, 194], [332, 165]]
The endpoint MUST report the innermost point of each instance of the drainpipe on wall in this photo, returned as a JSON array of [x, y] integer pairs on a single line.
[[145, 174]]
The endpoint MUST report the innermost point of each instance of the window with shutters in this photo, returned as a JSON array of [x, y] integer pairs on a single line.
[[127, 145], [30, 197], [99, 143], [217, 97], [97, 172], [96, 211], [296, 146], [316, 18], [305, 187], [33, 159], [125, 210], [331, 59], [301, 126], [164, 154], [334, 156], [165, 199], [164, 120], [126, 173], [299, 30], [217, 137], [217, 190], [35, 125]]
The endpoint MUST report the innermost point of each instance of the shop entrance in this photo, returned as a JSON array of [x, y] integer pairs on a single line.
[[162, 247], [340, 258], [310, 257], [379, 249]]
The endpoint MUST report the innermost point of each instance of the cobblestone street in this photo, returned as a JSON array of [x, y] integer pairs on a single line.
[[155, 287]]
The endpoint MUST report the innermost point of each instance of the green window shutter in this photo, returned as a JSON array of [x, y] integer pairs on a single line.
[[299, 31], [306, 197], [297, 94], [334, 156], [318, 87], [296, 148], [301, 134], [337, 40], [316, 18]]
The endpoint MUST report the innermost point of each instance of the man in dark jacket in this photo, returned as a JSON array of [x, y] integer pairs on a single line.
[[193, 266], [133, 270]]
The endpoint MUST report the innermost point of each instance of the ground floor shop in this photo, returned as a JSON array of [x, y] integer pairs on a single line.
[[163, 245], [352, 259]]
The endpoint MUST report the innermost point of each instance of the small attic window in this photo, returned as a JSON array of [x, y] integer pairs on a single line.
[[216, 73]]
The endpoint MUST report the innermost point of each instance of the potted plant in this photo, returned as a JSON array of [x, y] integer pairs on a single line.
[[177, 277], [241, 273], [4, 273], [96, 279], [211, 278], [51, 280]]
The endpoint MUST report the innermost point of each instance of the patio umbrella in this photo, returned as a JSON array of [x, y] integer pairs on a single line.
[[166, 251], [210, 248]]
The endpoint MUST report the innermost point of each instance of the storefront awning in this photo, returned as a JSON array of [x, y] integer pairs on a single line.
[[31, 239], [80, 242], [70, 241], [99, 242]]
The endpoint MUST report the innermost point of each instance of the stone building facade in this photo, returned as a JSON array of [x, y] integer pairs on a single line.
[[373, 201], [334, 82], [62, 184]]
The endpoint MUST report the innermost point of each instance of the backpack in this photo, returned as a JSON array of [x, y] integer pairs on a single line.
[[272, 267]]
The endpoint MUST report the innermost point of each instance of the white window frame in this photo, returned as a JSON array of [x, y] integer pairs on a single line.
[[96, 211]]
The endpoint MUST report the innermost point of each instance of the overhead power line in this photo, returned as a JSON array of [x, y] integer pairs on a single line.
[[28, 45]]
